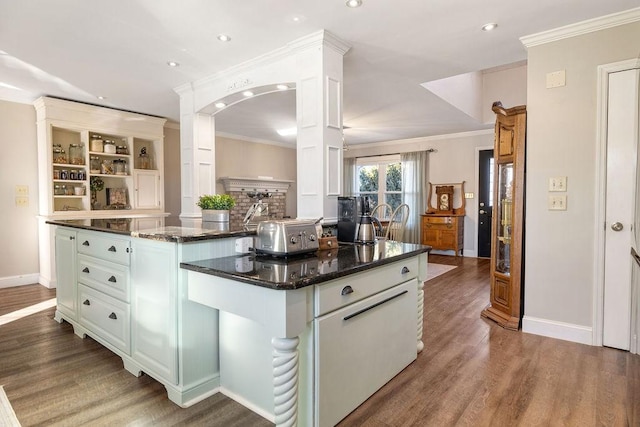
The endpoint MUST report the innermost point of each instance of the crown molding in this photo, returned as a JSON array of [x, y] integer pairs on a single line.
[[317, 38], [583, 27]]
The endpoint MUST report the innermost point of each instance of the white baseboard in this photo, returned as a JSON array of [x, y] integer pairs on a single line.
[[24, 279], [249, 405], [555, 329]]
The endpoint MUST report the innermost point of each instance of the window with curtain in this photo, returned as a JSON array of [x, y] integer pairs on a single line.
[[380, 178]]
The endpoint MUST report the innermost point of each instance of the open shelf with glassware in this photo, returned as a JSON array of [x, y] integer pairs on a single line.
[[98, 160]]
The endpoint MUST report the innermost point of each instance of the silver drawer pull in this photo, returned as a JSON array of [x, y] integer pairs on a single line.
[[346, 290], [364, 310], [113, 316], [85, 243], [85, 270], [112, 249], [405, 270], [86, 302], [112, 279]]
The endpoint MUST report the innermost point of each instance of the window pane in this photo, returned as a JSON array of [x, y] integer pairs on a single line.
[[368, 178], [394, 200], [394, 177]]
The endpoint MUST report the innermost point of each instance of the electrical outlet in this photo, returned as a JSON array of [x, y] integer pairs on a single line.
[[558, 183], [22, 190], [558, 202], [468, 195], [22, 201]]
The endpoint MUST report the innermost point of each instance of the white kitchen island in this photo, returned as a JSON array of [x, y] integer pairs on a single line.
[[302, 341]]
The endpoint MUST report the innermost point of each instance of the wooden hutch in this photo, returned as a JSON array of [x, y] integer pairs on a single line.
[[442, 226]]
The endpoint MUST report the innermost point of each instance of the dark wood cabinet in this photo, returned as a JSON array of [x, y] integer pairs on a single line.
[[507, 230], [443, 232]]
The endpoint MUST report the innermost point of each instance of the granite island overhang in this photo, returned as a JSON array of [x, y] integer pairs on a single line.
[[202, 319]]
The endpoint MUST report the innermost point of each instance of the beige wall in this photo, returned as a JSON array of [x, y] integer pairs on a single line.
[[561, 141], [248, 159], [454, 160], [172, 169], [18, 166]]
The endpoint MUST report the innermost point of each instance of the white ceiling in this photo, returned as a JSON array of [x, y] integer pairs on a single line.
[[81, 49]]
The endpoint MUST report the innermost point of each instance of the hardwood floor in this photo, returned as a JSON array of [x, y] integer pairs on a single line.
[[471, 373]]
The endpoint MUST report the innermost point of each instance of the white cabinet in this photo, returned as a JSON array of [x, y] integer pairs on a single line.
[[127, 186], [66, 293], [153, 299], [129, 295], [147, 190]]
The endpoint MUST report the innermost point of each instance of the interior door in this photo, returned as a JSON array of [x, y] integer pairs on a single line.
[[622, 143], [485, 202]]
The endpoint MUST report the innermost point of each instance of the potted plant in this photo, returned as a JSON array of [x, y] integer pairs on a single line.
[[95, 184], [216, 207]]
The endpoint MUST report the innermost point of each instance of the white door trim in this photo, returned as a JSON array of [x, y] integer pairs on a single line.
[[600, 196]]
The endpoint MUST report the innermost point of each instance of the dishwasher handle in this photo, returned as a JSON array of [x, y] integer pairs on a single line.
[[379, 303]]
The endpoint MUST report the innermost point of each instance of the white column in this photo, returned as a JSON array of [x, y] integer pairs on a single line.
[[285, 380], [197, 155], [319, 118]]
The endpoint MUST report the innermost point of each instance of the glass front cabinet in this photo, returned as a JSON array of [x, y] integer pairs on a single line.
[[506, 300]]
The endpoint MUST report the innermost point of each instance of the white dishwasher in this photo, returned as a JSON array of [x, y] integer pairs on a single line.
[[360, 347]]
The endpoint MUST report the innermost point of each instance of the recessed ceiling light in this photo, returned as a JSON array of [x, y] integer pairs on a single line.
[[247, 93], [220, 104], [224, 37], [354, 3], [490, 26], [101, 97], [287, 132], [173, 64], [282, 87]]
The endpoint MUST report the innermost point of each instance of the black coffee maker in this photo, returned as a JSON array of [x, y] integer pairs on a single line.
[[350, 211]]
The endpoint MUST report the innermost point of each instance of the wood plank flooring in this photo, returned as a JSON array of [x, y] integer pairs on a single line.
[[471, 373]]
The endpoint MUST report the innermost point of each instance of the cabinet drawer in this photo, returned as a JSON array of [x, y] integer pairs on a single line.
[[110, 248], [107, 317], [347, 290], [108, 277], [432, 220]]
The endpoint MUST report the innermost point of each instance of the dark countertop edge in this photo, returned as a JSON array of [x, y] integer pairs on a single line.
[[303, 282], [161, 237]]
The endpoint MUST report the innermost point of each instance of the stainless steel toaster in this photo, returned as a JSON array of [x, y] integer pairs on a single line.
[[287, 237]]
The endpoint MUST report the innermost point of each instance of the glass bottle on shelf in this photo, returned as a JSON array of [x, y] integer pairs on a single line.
[[120, 166], [58, 190], [144, 161], [109, 146], [64, 174], [94, 164], [106, 167], [96, 144], [59, 155], [76, 154]]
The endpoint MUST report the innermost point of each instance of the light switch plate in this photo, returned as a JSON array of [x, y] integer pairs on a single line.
[[22, 190], [468, 195], [557, 202], [22, 201], [558, 183]]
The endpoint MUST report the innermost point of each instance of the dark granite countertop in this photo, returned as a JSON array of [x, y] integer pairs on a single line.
[[172, 230], [304, 270]]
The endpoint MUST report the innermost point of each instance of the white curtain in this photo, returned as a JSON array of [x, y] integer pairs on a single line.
[[348, 176], [414, 178]]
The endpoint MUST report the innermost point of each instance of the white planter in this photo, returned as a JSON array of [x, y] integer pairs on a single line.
[[215, 219]]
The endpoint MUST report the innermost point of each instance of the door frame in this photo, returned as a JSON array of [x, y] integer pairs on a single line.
[[477, 193], [600, 196]]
